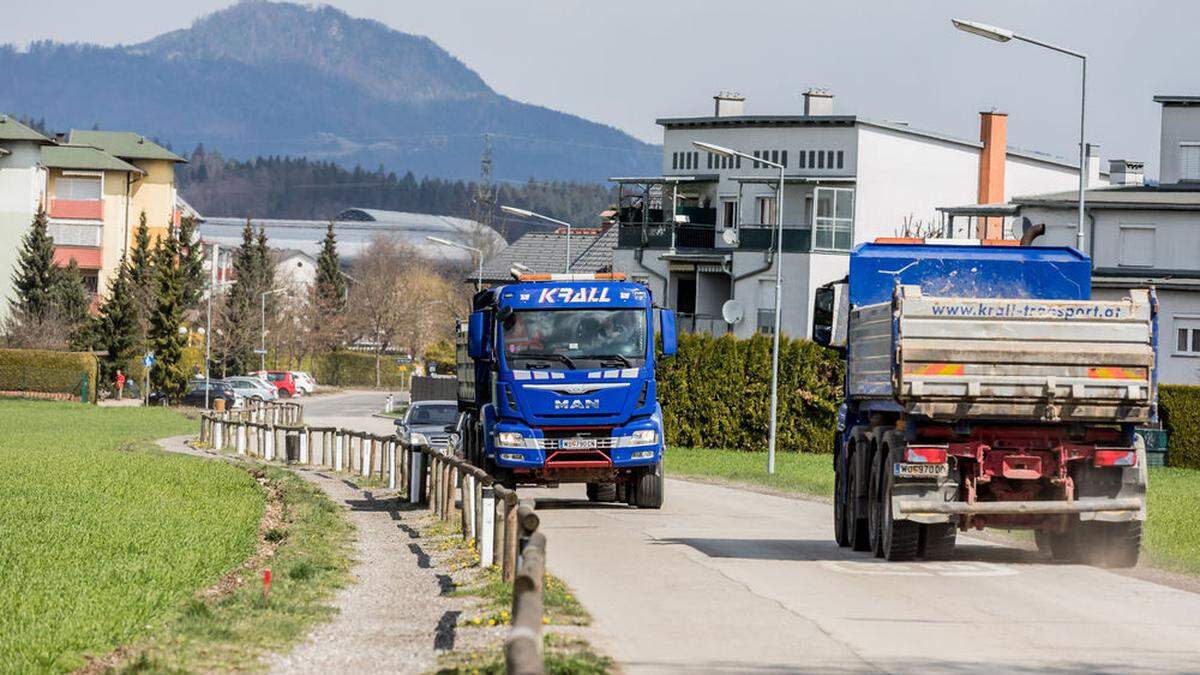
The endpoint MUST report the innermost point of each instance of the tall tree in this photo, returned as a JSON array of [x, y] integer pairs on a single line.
[[165, 339], [191, 263], [238, 316], [326, 306], [35, 273], [71, 301], [141, 272], [117, 326]]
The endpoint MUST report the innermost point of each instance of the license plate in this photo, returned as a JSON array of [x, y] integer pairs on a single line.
[[577, 443], [904, 470]]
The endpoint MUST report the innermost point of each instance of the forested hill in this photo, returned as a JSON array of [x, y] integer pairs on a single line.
[[281, 187], [265, 78]]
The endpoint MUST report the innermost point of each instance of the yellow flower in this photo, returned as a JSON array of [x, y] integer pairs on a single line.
[[491, 622], [545, 621]]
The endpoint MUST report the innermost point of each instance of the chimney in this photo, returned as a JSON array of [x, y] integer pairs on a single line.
[[728, 104], [818, 102], [993, 132], [60, 138], [1126, 172], [1093, 165]]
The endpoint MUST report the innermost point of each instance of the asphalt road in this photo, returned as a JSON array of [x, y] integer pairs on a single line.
[[728, 580]]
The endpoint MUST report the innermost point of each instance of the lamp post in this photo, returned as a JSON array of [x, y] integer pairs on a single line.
[[526, 213], [478, 252], [262, 352], [1006, 35], [729, 152]]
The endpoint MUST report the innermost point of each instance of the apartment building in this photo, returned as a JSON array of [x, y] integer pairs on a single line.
[[701, 233], [21, 185]]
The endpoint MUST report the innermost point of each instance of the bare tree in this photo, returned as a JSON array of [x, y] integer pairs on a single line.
[[377, 295]]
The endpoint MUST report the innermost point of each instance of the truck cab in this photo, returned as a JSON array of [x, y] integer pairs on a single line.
[[557, 384]]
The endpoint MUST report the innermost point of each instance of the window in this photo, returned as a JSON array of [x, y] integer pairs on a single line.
[[775, 156], [766, 305], [1187, 335], [91, 281], [710, 158], [695, 160], [675, 160], [840, 156], [821, 159], [1137, 246], [756, 156], [77, 187], [737, 160], [765, 208], [834, 219], [783, 157], [1189, 161], [800, 157], [729, 211]]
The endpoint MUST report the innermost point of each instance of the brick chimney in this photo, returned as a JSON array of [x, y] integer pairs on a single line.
[[993, 133], [728, 104]]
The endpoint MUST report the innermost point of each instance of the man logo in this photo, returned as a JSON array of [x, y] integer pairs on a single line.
[[577, 404]]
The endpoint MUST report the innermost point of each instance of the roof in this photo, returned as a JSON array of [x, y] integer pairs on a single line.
[[1177, 100], [280, 255], [1175, 197], [850, 120], [83, 157], [546, 252], [12, 130], [124, 144]]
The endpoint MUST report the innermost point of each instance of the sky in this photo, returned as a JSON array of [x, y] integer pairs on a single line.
[[627, 62]]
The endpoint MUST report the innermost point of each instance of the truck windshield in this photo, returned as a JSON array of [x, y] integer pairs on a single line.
[[562, 338]]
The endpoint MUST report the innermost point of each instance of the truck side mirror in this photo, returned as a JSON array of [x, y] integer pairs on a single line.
[[830, 312], [670, 343], [477, 335]]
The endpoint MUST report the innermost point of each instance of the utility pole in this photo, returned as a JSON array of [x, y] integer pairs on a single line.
[[485, 193]]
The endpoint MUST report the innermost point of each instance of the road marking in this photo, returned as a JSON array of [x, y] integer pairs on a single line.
[[930, 569]]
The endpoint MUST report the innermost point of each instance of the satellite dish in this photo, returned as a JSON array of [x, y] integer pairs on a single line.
[[1026, 223], [729, 236], [732, 312]]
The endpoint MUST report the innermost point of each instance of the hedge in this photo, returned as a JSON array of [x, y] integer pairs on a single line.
[[715, 393], [356, 369], [48, 372], [1179, 408]]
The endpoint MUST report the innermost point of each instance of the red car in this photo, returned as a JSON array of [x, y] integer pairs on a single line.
[[283, 381]]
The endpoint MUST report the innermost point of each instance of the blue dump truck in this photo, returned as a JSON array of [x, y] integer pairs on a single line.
[[556, 385], [984, 388]]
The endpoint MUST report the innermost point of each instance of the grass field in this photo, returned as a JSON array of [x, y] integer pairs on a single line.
[[102, 536], [1172, 535]]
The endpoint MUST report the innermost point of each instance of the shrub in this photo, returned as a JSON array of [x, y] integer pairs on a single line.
[[1179, 407], [49, 372], [716, 393], [355, 369]]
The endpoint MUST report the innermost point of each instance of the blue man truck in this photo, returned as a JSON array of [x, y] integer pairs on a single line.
[[556, 385], [985, 388]]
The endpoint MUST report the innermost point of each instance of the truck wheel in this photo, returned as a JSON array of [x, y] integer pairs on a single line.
[[1110, 544], [622, 496], [602, 492], [1060, 546], [875, 508], [841, 530], [856, 522], [649, 491], [898, 539], [937, 541]]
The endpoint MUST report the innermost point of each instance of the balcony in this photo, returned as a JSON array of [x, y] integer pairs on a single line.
[[76, 209], [796, 238], [76, 234], [700, 323], [658, 235]]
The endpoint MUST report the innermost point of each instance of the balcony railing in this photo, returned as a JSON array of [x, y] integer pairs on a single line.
[[77, 209], [796, 238], [75, 234], [701, 323], [658, 235]]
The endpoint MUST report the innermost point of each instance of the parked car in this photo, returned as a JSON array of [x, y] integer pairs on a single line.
[[426, 421], [252, 388], [305, 382], [216, 390], [283, 381]]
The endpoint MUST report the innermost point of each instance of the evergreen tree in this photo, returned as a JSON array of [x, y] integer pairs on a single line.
[[141, 272], [165, 340], [35, 274], [117, 326], [71, 301], [330, 288], [191, 262], [238, 317]]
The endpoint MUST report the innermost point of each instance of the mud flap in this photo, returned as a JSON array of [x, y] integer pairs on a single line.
[[1134, 481]]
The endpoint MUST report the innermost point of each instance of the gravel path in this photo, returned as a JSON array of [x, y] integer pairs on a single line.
[[395, 618]]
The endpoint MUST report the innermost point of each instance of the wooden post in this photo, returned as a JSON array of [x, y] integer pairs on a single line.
[[391, 462], [486, 541], [498, 528], [510, 537], [523, 646], [468, 506]]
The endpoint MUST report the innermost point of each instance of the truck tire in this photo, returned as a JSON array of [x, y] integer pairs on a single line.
[[898, 540], [649, 490], [602, 492], [841, 530], [875, 506], [856, 521], [937, 541], [1060, 546], [1110, 544]]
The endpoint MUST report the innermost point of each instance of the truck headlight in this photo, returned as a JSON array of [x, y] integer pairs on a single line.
[[510, 439], [418, 438], [640, 437]]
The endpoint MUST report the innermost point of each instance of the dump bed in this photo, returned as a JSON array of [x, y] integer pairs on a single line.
[[955, 358]]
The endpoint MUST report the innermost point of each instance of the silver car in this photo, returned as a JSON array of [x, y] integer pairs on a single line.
[[252, 388]]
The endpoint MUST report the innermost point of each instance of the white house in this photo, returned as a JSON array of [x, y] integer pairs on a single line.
[[294, 268], [22, 181], [847, 180]]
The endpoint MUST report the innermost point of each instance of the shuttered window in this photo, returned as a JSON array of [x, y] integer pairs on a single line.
[[1189, 161], [1137, 246]]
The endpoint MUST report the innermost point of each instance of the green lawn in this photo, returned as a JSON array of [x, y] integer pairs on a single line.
[[794, 472], [1172, 536], [103, 537]]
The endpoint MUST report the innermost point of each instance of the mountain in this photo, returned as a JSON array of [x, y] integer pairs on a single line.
[[264, 78]]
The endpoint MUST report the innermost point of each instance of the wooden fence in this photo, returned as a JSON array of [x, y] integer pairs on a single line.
[[502, 527]]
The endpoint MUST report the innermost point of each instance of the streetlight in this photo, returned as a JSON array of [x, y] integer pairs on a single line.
[[262, 352], [455, 244], [526, 213], [722, 151], [1005, 35]]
